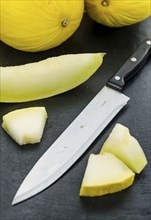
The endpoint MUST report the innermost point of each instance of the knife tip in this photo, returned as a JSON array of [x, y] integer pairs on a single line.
[[14, 201], [17, 199]]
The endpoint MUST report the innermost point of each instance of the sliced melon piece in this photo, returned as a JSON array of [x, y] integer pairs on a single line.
[[48, 77], [25, 125], [105, 174], [126, 148]]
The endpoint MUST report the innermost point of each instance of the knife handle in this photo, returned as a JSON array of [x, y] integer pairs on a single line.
[[131, 66]]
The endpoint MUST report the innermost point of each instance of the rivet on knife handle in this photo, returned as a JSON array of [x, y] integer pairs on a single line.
[[131, 66]]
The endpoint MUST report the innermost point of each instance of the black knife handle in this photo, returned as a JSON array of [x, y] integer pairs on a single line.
[[131, 66]]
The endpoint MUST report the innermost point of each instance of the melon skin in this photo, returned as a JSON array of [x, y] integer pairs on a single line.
[[118, 13], [48, 77], [34, 25]]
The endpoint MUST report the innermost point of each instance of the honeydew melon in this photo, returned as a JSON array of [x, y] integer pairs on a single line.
[[25, 125], [37, 25], [118, 13], [48, 77], [105, 174], [125, 147]]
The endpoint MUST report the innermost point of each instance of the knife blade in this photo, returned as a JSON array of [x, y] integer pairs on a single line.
[[80, 134]]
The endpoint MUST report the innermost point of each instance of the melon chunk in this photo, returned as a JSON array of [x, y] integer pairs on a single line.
[[25, 125], [105, 174], [126, 148]]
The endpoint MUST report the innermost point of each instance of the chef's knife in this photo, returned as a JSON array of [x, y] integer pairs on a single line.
[[74, 141]]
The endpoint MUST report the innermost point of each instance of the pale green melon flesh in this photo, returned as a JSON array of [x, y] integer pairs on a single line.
[[47, 77], [25, 125], [125, 147], [105, 174]]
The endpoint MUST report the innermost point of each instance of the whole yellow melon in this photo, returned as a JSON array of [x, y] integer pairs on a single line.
[[118, 13], [36, 25]]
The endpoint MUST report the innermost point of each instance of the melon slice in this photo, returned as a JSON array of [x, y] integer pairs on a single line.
[[26, 125], [126, 148], [48, 77], [105, 174]]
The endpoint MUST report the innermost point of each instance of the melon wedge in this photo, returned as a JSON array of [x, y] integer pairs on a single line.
[[125, 147], [105, 174], [48, 77], [26, 125]]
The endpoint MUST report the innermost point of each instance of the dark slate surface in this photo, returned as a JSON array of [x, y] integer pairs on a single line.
[[61, 201]]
